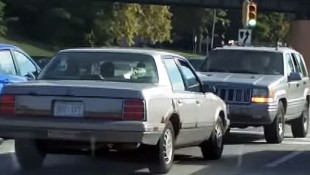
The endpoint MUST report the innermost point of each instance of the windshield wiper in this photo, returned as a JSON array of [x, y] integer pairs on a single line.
[[243, 71]]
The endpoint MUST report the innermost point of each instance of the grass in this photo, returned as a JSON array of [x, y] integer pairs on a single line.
[[29, 47], [38, 49]]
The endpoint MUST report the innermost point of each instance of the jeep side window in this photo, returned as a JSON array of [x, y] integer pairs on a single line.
[[302, 65], [296, 64], [290, 64]]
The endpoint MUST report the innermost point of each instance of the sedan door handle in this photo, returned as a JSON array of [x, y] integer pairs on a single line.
[[197, 101], [180, 102], [304, 83], [297, 85]]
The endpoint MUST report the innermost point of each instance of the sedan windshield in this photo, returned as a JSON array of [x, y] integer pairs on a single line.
[[104, 66], [241, 61]]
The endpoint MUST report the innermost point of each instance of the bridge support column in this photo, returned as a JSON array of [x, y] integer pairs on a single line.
[[299, 38]]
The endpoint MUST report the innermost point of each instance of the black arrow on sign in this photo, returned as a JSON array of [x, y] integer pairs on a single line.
[[247, 33], [241, 34]]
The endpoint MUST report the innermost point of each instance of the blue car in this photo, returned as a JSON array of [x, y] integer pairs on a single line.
[[16, 65]]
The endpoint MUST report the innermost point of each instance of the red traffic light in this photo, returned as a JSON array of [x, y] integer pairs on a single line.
[[252, 8]]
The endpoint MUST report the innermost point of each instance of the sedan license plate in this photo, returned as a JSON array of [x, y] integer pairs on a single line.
[[69, 109]]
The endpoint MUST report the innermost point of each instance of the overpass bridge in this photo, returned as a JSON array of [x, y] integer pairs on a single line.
[[292, 6]]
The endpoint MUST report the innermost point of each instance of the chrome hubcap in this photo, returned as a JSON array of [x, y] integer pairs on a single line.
[[305, 119], [168, 146], [219, 135], [281, 126]]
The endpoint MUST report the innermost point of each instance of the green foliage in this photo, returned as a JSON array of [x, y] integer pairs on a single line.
[[126, 24], [3, 28], [187, 19], [220, 18], [155, 23], [272, 27], [149, 22]]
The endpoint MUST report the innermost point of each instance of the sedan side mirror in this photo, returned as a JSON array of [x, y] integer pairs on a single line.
[[294, 76], [30, 76]]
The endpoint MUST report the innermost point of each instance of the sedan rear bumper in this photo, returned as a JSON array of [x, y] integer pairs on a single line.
[[80, 130]]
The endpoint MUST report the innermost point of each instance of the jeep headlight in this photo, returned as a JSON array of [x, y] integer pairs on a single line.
[[262, 95]]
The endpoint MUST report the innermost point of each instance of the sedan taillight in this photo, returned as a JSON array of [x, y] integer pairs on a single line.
[[133, 109], [7, 105]]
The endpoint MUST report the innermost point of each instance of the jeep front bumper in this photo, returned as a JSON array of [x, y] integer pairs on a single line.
[[253, 114]]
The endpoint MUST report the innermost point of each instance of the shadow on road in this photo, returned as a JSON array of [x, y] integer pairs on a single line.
[[116, 164], [271, 162], [244, 138]]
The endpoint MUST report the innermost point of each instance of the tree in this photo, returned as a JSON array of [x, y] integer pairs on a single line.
[[207, 20], [156, 23], [2, 22], [192, 21], [272, 27], [147, 22]]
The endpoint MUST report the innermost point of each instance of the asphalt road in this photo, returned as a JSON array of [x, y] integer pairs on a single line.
[[245, 153]]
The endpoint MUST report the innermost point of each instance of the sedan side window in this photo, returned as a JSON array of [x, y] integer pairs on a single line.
[[6, 63], [174, 75], [24, 64], [191, 81]]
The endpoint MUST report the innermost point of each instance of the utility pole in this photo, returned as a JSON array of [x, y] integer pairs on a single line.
[[213, 28]]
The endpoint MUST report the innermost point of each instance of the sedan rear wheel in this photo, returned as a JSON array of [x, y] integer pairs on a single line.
[[164, 151], [29, 154]]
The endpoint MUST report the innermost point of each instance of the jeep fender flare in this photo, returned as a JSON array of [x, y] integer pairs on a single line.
[[279, 94]]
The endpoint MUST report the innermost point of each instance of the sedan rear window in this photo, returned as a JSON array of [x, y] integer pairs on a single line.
[[103, 66]]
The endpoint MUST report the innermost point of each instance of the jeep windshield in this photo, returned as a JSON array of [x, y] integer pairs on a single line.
[[244, 61]]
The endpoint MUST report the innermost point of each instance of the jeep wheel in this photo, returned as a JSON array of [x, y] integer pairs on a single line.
[[212, 149], [274, 133], [29, 154], [300, 126], [164, 152]]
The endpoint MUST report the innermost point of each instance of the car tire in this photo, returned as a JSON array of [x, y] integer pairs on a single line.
[[300, 126], [274, 133], [212, 149], [29, 154], [163, 159]]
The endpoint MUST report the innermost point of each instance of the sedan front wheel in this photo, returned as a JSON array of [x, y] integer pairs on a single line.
[[212, 149]]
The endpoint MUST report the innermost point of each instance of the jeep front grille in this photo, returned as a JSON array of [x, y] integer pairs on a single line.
[[234, 95]]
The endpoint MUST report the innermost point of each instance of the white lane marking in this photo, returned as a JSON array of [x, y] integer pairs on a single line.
[[240, 157], [283, 159], [291, 142]]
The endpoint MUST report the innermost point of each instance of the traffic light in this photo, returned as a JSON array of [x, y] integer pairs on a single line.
[[252, 14], [249, 13]]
